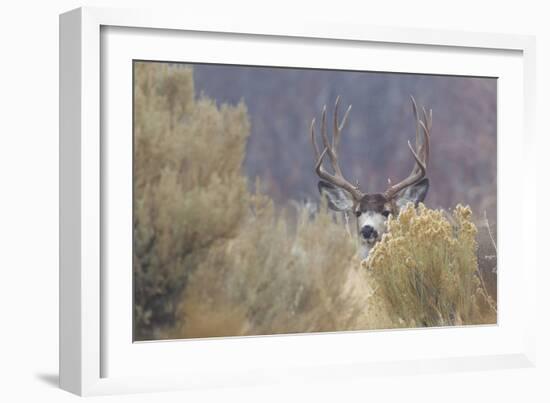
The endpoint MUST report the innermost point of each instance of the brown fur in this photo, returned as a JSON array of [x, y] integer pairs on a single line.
[[376, 202]]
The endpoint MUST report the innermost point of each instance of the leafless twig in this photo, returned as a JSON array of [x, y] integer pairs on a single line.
[[488, 298], [490, 233]]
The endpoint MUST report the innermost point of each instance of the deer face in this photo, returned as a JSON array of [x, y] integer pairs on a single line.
[[372, 212], [371, 209]]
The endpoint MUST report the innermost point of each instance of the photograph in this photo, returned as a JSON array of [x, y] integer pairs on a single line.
[[275, 200]]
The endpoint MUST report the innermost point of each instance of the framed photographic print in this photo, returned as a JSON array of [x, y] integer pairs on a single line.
[[236, 198]]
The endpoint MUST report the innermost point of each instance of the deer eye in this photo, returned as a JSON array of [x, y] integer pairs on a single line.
[[386, 213], [357, 213]]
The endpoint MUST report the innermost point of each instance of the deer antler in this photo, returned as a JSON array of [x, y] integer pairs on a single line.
[[421, 155], [331, 149]]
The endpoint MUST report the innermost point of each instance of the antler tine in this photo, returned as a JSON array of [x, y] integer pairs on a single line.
[[335, 131], [419, 163], [422, 146], [338, 126], [418, 141], [319, 164], [427, 118], [426, 144], [336, 179], [421, 154], [415, 109], [313, 141], [332, 153], [331, 148]]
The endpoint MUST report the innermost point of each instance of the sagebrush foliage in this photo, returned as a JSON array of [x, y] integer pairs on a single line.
[[212, 258], [188, 188], [271, 279], [427, 272]]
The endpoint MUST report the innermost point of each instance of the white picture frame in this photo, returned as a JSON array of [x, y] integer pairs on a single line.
[[96, 356]]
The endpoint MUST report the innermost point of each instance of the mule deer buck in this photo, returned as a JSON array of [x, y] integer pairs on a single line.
[[370, 209]]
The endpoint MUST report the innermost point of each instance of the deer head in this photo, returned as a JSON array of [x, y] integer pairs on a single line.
[[370, 209]]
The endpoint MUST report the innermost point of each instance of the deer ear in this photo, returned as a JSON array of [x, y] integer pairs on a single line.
[[413, 194], [338, 199]]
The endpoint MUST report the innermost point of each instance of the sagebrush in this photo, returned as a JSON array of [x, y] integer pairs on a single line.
[[426, 270], [188, 187]]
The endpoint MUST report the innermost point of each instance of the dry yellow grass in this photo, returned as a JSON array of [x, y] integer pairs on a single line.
[[270, 279]]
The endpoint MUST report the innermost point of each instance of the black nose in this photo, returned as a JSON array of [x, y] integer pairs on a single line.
[[368, 232]]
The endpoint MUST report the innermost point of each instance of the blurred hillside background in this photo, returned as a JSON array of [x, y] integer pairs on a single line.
[[282, 101]]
